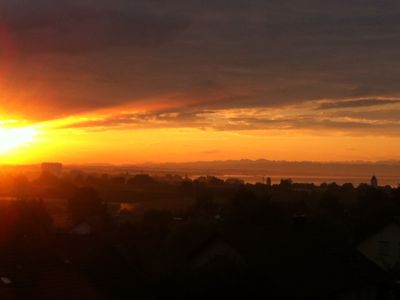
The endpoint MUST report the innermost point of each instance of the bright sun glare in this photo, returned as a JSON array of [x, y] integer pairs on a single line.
[[11, 138]]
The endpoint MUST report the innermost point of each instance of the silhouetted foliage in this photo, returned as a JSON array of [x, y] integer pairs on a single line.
[[141, 180], [158, 237], [84, 204], [286, 183]]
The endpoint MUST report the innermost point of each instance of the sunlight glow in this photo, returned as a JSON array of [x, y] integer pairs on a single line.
[[11, 138]]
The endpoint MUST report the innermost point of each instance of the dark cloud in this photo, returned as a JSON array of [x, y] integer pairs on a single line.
[[375, 115], [76, 56], [239, 121], [79, 31], [357, 103], [146, 120], [313, 124]]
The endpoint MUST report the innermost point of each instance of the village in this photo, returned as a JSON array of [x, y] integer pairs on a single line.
[[154, 237]]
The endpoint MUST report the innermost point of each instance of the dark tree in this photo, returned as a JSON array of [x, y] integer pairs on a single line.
[[84, 204], [141, 180]]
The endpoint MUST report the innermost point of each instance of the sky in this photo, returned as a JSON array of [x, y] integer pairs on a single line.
[[95, 81]]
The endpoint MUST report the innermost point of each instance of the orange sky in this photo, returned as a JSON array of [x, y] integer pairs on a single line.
[[217, 136]]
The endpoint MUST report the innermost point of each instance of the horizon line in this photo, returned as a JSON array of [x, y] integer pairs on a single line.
[[205, 161]]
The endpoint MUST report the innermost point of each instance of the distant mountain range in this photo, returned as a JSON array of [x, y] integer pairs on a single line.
[[302, 171], [263, 166], [388, 172]]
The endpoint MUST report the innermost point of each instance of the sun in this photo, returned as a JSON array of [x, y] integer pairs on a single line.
[[11, 138]]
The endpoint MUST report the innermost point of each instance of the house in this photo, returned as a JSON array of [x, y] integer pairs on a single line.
[[215, 250], [383, 246], [295, 263], [82, 229]]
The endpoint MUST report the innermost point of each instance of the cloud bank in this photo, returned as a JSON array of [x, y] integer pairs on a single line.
[[74, 57]]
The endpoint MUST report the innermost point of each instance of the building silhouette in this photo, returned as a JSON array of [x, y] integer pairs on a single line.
[[52, 168], [374, 181]]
